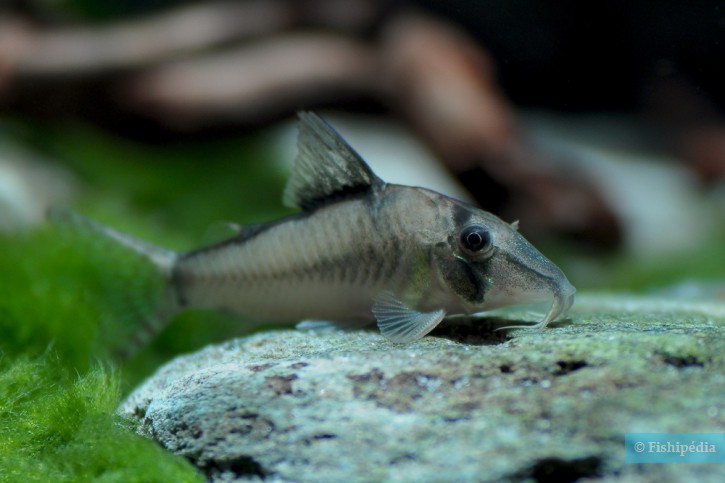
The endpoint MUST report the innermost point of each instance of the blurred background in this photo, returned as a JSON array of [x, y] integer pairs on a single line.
[[598, 125]]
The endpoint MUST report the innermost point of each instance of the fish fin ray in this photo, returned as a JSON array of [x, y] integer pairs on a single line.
[[401, 324], [162, 258], [326, 167]]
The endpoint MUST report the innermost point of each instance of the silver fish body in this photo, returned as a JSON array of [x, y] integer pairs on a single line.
[[328, 264], [361, 251]]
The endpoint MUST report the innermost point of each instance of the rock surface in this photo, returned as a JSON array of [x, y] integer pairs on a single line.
[[463, 404]]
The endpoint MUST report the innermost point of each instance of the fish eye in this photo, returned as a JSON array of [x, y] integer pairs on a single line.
[[475, 238]]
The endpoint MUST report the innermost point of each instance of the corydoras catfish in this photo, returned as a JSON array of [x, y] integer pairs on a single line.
[[359, 251]]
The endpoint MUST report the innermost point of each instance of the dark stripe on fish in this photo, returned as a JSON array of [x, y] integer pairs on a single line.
[[476, 286], [247, 233], [348, 193], [461, 215], [177, 283]]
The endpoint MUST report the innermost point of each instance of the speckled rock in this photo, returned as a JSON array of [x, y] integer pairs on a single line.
[[463, 404]]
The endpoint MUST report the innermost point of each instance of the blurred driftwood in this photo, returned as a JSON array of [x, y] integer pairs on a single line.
[[241, 63], [270, 77], [445, 86], [694, 123], [29, 51]]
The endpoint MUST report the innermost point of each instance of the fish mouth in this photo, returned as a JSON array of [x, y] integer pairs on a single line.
[[563, 300]]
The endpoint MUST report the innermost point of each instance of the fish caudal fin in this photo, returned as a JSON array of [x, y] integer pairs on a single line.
[[164, 304], [164, 259]]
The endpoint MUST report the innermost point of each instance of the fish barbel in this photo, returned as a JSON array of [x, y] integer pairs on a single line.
[[359, 251]]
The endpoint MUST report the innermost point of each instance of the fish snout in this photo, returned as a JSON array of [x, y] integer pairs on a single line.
[[527, 276], [563, 300], [554, 284]]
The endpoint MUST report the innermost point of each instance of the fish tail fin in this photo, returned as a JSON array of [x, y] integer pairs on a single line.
[[156, 314], [162, 258]]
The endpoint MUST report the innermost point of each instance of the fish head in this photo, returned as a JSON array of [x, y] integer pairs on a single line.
[[485, 263]]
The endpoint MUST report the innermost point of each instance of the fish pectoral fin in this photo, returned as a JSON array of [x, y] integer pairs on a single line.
[[402, 324]]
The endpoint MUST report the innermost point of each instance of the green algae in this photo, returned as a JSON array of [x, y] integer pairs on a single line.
[[58, 426], [71, 302]]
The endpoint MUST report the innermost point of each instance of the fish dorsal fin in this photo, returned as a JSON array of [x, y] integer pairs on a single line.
[[326, 167], [400, 323]]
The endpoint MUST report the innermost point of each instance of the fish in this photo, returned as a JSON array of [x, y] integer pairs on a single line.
[[359, 251]]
